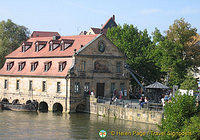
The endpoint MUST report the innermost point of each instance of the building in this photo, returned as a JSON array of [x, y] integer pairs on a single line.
[[109, 24], [57, 71]]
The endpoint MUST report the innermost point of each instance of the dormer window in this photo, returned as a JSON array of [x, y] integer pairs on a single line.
[[40, 45], [53, 44], [47, 66], [34, 66], [10, 65], [66, 43], [21, 66], [26, 46], [61, 66]]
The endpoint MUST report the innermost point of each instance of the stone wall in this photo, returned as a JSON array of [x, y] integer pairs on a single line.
[[118, 112], [50, 96]]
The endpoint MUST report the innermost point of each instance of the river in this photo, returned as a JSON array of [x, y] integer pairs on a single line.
[[52, 126]]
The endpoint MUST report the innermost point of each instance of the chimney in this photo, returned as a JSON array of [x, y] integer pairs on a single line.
[[113, 17]]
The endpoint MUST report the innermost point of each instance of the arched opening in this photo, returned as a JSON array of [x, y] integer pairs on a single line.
[[80, 108], [14, 102], [43, 107], [28, 102], [57, 107], [5, 101]]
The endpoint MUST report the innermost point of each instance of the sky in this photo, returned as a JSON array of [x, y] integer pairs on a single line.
[[70, 17]]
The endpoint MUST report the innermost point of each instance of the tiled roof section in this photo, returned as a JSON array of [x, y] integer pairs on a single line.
[[110, 23], [98, 31], [30, 53], [53, 71], [44, 34]]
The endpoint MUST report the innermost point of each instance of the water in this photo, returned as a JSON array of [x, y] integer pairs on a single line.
[[51, 126]]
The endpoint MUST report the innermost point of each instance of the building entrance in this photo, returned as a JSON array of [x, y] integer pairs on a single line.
[[100, 89]]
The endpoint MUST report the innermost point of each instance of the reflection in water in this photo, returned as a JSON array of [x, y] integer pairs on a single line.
[[21, 125]]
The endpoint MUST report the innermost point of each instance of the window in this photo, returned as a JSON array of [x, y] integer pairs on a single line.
[[43, 86], [58, 86], [30, 85], [66, 43], [122, 87], [26, 46], [10, 65], [47, 66], [53, 45], [61, 66], [40, 45], [21, 66], [118, 67], [83, 64], [34, 66], [77, 87], [112, 87], [6, 84], [17, 85], [87, 87]]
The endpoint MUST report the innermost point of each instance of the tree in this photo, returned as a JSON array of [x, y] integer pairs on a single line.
[[137, 46], [11, 36], [174, 53], [190, 83]]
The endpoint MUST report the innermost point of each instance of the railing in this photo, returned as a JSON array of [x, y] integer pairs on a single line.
[[130, 104]]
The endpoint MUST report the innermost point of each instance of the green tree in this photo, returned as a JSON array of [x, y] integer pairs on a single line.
[[137, 46], [190, 83], [174, 53], [11, 36], [177, 112]]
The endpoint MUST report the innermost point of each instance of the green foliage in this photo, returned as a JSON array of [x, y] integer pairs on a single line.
[[137, 46], [177, 113], [172, 53], [11, 36], [190, 83]]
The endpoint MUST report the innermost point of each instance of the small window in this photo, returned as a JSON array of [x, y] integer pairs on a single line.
[[77, 87], [122, 87], [17, 85], [47, 66], [61, 66], [112, 87], [43, 86], [53, 45], [26, 46], [30, 85], [34, 66], [21, 66], [83, 64], [66, 43], [118, 67], [39, 45], [87, 87], [58, 87], [6, 84], [10, 65]]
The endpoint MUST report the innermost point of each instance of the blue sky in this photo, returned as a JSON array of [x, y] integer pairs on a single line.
[[70, 17]]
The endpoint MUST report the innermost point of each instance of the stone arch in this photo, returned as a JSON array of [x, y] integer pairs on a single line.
[[15, 101], [57, 107], [80, 107], [43, 107], [5, 100]]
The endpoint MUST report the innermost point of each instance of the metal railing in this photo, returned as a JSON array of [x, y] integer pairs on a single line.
[[130, 104]]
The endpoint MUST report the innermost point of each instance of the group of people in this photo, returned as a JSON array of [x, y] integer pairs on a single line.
[[143, 100], [166, 99]]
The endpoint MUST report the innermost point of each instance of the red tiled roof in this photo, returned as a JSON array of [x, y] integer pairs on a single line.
[[44, 34], [110, 19], [30, 53], [53, 71], [98, 30]]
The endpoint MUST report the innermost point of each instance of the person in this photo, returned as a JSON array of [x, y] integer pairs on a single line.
[[163, 100], [92, 93], [145, 102], [141, 100]]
